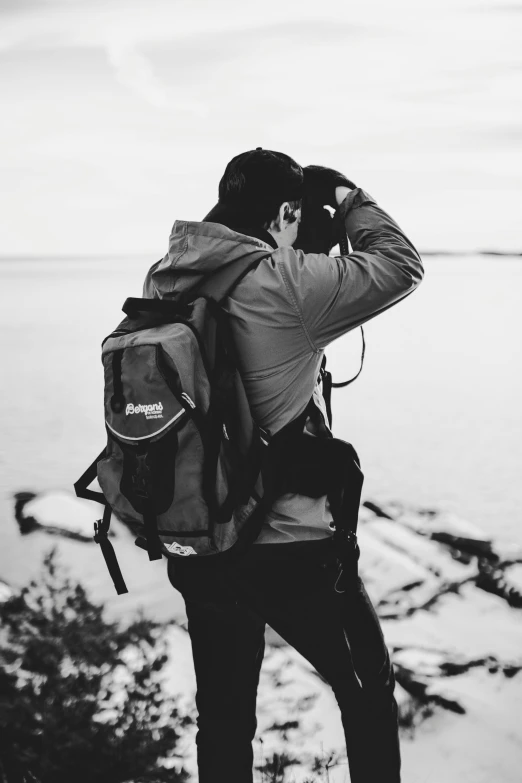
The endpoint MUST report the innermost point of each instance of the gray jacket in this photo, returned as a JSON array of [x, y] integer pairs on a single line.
[[286, 311]]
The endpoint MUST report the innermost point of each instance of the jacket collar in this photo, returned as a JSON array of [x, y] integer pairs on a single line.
[[236, 219]]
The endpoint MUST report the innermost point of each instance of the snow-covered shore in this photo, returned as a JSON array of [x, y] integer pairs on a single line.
[[449, 600]]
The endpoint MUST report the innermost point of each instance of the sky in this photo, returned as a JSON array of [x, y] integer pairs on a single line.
[[119, 117]]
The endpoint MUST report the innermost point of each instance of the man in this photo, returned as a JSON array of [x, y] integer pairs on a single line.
[[282, 315]]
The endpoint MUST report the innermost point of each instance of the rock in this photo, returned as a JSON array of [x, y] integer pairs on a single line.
[[513, 576], [467, 634], [482, 745], [499, 582], [6, 591], [25, 523], [427, 692], [435, 557], [449, 529], [416, 659], [466, 625], [408, 562], [387, 571], [378, 510], [404, 570], [57, 513], [507, 553], [408, 706]]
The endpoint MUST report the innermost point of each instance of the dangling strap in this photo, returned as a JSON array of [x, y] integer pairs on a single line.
[[151, 530], [222, 395], [101, 530], [345, 536], [363, 351], [220, 401], [328, 384], [81, 487], [344, 247], [101, 526]]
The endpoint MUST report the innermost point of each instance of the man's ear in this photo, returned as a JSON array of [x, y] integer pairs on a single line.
[[285, 212], [282, 215]]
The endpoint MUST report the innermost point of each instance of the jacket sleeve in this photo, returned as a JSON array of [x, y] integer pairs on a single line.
[[337, 294]]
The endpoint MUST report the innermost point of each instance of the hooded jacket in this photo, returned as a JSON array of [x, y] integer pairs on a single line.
[[286, 311]]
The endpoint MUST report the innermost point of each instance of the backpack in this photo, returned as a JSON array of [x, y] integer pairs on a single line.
[[186, 466]]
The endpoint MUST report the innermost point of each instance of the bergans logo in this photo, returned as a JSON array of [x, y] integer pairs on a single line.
[[153, 411], [177, 549]]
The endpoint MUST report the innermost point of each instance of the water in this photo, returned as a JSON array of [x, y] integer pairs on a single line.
[[435, 416]]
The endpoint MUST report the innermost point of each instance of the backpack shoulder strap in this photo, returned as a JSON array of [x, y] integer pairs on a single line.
[[81, 487], [229, 285]]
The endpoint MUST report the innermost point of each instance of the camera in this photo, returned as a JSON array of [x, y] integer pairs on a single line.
[[319, 229]]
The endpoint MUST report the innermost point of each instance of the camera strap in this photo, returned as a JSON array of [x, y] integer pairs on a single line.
[[328, 384]]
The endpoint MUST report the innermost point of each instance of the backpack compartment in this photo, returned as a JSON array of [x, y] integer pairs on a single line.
[[155, 450], [169, 471]]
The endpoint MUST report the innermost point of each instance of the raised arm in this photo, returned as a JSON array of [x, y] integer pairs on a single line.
[[337, 294]]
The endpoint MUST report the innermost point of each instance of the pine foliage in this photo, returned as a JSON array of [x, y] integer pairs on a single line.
[[81, 697]]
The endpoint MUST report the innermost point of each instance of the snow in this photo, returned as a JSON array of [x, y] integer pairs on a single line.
[[471, 623], [457, 649], [483, 746], [5, 591]]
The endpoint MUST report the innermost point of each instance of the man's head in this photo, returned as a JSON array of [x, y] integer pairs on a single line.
[[268, 187]]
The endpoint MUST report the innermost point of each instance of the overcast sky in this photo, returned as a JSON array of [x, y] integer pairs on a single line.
[[119, 117]]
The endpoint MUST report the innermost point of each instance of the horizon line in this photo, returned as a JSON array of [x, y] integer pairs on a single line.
[[102, 256]]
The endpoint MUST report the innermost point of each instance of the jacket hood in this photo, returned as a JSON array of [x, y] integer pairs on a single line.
[[200, 252]]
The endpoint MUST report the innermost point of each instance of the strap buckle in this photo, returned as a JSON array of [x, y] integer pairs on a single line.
[[99, 532], [265, 436]]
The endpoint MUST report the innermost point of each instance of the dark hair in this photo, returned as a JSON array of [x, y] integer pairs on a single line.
[[259, 181]]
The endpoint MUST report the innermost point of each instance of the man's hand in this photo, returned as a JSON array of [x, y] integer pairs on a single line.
[[340, 194]]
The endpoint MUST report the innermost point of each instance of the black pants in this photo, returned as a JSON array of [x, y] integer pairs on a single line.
[[290, 587]]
